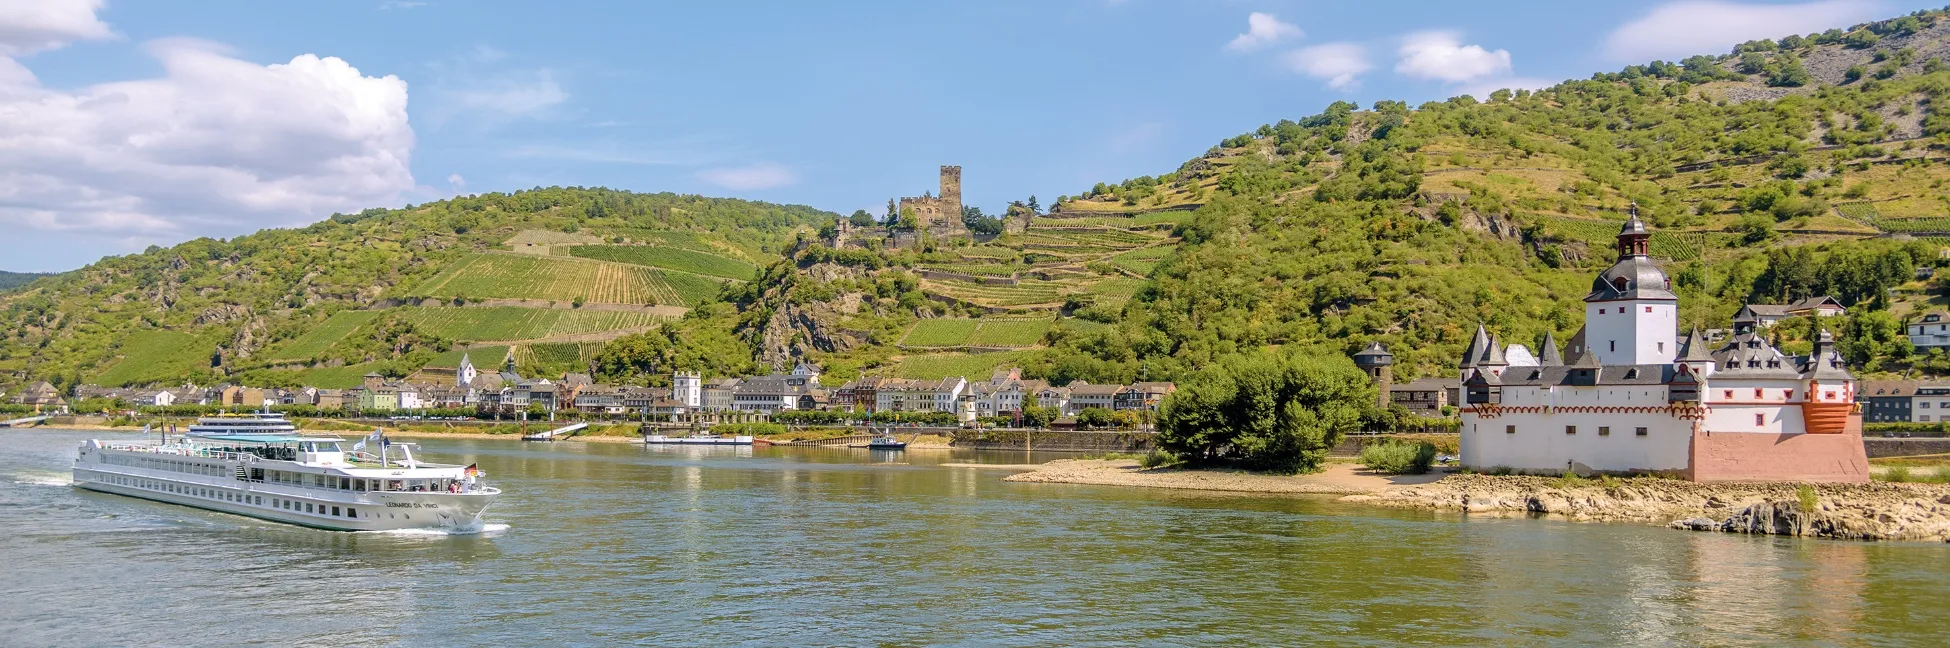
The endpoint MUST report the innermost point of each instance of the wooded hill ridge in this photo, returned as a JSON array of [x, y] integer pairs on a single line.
[[1807, 165]]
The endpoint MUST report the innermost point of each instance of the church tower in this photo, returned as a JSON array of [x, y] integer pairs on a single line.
[[1631, 316], [464, 374]]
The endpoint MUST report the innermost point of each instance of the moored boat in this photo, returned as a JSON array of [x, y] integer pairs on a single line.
[[698, 439], [304, 480]]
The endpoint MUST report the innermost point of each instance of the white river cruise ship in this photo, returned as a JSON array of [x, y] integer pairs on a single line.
[[303, 480]]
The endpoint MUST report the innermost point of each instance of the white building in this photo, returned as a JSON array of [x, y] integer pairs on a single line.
[[687, 387], [1628, 397], [1931, 331]]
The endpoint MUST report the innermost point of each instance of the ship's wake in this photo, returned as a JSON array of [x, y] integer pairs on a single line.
[[488, 529], [44, 479]]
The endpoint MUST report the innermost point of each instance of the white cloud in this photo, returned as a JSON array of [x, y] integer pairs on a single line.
[[764, 175], [458, 183], [1263, 29], [526, 93], [1341, 64], [36, 25], [213, 146], [474, 84], [389, 5], [1440, 55], [1676, 30]]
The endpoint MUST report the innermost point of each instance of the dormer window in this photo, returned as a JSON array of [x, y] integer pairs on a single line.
[[1618, 283]]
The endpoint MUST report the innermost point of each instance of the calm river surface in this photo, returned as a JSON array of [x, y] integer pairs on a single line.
[[603, 544]]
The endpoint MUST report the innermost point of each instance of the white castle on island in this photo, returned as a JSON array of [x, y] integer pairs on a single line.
[[1627, 396]]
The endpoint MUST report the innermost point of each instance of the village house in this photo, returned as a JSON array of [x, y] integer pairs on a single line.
[[41, 396], [1888, 401], [1143, 396], [1426, 396], [718, 394], [768, 393], [1931, 331], [1765, 315], [1085, 396]]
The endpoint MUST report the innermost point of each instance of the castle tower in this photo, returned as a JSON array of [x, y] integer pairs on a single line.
[[464, 374], [687, 387], [1378, 363], [1631, 316], [951, 191]]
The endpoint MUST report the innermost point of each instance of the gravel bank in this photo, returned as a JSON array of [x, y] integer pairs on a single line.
[[1875, 511]]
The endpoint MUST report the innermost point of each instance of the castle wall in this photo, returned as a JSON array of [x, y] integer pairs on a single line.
[[1541, 444], [1727, 456]]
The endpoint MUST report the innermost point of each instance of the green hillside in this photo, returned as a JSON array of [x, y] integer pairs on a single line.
[[1814, 164], [1811, 165], [384, 289]]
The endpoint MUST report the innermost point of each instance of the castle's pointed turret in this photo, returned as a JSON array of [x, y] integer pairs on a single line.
[[1549, 356], [1696, 348], [1477, 346], [1494, 356]]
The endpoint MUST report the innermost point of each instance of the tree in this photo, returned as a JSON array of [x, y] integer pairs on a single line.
[[1033, 207], [1271, 410], [1872, 337], [1094, 417], [1035, 416], [861, 218], [893, 216], [979, 223]]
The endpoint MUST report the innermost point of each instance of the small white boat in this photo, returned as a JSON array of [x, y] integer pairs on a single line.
[[697, 439]]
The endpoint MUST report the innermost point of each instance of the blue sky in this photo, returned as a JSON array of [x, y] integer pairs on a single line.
[[155, 122]]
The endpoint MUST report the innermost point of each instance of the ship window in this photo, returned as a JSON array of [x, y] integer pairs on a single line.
[[335, 510], [351, 512], [308, 508]]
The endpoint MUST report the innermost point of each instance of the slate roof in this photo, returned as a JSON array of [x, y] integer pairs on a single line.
[[1651, 374]]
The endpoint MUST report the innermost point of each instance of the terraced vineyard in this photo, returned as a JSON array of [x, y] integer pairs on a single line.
[[1010, 332], [1142, 260], [935, 366], [670, 258], [322, 337], [510, 323], [940, 332], [510, 276], [1043, 293], [985, 332], [155, 356], [693, 289]]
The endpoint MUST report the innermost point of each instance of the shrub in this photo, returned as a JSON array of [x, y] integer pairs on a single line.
[[1157, 459], [1896, 474], [1398, 457], [753, 429], [1809, 503]]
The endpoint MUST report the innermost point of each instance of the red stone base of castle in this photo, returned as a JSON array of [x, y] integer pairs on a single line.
[[1745, 456]]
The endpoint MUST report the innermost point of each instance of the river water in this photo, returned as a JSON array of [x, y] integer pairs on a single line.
[[603, 544]]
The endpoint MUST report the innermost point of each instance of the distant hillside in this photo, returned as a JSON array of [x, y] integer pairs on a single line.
[[12, 280], [1810, 165], [546, 272]]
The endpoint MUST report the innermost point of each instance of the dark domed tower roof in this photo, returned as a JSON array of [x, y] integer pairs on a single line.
[[1634, 276], [1374, 356]]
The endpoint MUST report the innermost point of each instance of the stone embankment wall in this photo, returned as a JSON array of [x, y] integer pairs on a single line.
[[1053, 440], [1878, 447]]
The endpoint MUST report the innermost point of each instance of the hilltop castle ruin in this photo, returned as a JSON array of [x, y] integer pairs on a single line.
[[940, 216]]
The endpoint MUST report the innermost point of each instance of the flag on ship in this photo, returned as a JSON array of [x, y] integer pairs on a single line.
[[377, 435], [472, 470]]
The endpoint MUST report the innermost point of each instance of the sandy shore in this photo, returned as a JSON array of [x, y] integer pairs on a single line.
[[1874, 511], [1336, 479]]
